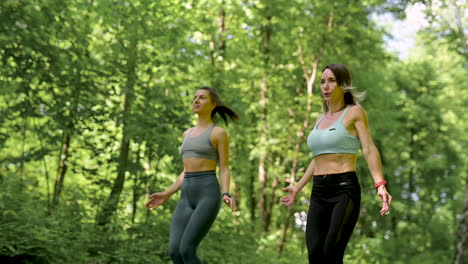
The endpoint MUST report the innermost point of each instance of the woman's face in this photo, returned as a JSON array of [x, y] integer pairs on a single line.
[[330, 90], [202, 103]]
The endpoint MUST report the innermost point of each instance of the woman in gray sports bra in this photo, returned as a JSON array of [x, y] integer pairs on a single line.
[[204, 147], [336, 194]]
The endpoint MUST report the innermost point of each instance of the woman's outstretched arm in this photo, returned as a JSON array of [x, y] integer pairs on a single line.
[[372, 156]]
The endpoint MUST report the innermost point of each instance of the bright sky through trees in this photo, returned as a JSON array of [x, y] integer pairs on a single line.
[[403, 33]]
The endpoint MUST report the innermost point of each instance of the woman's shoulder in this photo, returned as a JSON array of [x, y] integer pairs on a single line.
[[186, 132], [219, 135], [356, 111], [219, 131]]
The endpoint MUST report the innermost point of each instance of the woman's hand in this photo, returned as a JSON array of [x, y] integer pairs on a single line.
[[290, 198], [229, 201], [156, 199], [386, 199]]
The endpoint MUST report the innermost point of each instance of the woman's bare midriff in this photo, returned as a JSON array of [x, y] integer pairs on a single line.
[[334, 163], [197, 164]]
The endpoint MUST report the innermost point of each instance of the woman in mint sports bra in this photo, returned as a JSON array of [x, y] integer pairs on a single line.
[[204, 147], [336, 194]]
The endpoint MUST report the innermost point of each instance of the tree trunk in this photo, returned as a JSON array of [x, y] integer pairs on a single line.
[[462, 232], [262, 171], [112, 202], [284, 231], [222, 30], [62, 168], [273, 201], [149, 180], [252, 200], [262, 174], [136, 185], [70, 124], [411, 176], [217, 81], [23, 152], [46, 170]]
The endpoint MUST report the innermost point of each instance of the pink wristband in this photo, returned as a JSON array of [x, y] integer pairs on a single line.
[[380, 183]]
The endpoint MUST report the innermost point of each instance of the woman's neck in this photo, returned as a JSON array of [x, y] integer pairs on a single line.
[[336, 107], [204, 121]]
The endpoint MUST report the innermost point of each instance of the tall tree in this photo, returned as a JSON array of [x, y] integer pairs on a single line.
[[130, 50]]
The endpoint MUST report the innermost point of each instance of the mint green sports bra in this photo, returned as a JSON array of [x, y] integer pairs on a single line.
[[333, 139]]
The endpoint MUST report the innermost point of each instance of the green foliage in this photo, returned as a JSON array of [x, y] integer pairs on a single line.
[[68, 68]]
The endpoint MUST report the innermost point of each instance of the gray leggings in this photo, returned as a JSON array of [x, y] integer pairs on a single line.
[[196, 211]]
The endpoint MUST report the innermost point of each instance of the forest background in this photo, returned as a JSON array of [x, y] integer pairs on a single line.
[[95, 95]]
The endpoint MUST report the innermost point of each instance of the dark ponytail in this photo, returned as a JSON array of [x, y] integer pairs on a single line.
[[220, 109], [349, 98]]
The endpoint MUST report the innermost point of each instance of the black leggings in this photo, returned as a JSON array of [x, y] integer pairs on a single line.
[[333, 213], [196, 211]]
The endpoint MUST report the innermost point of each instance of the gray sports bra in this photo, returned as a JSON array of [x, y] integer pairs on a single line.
[[199, 146]]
